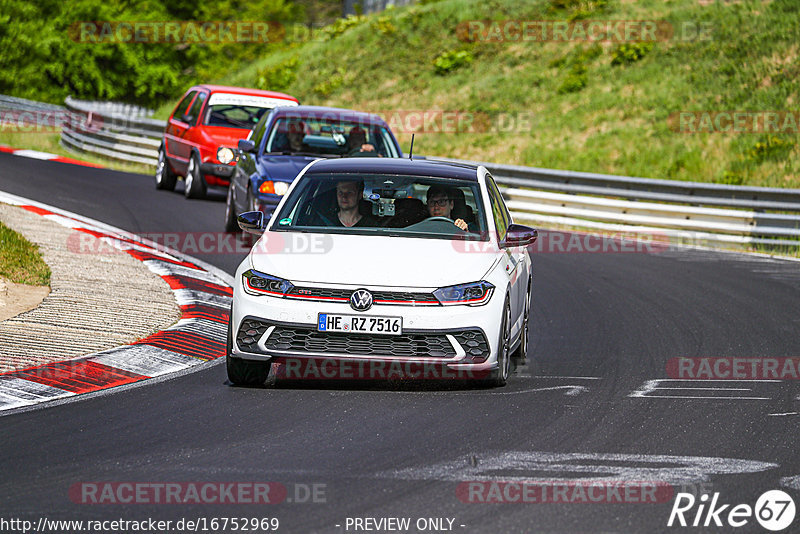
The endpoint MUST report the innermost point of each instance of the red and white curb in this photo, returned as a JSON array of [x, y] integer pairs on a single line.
[[46, 156], [202, 291]]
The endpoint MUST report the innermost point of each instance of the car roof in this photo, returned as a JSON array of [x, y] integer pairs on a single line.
[[403, 166], [324, 112], [244, 91]]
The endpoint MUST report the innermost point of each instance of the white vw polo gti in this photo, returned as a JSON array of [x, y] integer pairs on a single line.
[[383, 268]]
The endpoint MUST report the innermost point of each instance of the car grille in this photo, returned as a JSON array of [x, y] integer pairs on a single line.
[[304, 339], [379, 297]]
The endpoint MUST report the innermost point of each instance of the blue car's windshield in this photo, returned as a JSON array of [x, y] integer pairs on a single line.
[[384, 204], [329, 137]]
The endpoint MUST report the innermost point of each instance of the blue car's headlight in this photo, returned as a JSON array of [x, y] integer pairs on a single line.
[[474, 294], [256, 283]]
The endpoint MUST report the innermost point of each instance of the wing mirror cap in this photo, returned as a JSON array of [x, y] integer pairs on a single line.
[[246, 145], [252, 222], [519, 235]]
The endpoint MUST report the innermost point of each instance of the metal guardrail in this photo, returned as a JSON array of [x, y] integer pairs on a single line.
[[117, 131], [13, 103], [693, 212], [677, 209]]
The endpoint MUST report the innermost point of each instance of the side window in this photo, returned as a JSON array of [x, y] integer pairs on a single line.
[[258, 131], [499, 211], [180, 111], [194, 111]]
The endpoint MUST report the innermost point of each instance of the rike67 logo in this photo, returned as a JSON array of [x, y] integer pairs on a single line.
[[774, 510]]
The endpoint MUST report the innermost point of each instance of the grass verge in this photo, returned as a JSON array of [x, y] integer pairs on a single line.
[[20, 260]]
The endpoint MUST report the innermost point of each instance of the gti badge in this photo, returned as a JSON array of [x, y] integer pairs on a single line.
[[361, 300]]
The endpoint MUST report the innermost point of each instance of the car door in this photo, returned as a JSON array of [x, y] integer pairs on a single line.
[[191, 136], [246, 167], [174, 143], [516, 268]]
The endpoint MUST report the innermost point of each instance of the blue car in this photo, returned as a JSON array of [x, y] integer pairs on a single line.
[[286, 140]]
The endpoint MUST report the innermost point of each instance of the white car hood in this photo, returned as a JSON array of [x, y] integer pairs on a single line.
[[372, 260]]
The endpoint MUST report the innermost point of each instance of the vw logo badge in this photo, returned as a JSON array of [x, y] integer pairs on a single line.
[[361, 300]]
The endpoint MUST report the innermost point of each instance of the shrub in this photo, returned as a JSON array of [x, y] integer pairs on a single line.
[[331, 83], [278, 77], [773, 148], [341, 25], [627, 53], [384, 26], [450, 61]]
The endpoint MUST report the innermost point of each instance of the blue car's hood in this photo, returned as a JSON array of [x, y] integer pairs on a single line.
[[285, 168]]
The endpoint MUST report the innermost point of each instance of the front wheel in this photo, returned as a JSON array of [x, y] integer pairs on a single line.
[[195, 186], [499, 376], [230, 211], [522, 350], [165, 178]]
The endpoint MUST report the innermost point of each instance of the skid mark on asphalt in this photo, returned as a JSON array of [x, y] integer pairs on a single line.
[[547, 467], [673, 388], [570, 389]]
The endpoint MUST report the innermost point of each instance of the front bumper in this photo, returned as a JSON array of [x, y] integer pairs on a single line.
[[217, 173], [457, 338]]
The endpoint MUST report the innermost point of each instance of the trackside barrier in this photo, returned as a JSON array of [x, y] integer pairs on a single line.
[[693, 212], [117, 131]]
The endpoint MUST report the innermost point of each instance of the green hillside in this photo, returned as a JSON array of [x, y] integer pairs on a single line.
[[567, 104], [601, 107]]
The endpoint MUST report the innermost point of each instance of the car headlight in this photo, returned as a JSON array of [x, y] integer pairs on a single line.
[[224, 155], [474, 294], [256, 283], [273, 188]]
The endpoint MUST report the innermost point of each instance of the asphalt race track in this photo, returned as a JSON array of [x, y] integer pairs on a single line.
[[604, 327]]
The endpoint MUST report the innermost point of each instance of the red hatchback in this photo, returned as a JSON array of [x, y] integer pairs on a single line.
[[203, 131]]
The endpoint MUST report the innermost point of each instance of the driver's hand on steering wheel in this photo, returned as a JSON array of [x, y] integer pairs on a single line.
[[461, 224]]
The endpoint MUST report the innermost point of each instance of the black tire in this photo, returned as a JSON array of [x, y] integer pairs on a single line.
[[499, 376], [165, 178], [195, 186], [230, 212], [244, 372], [522, 349]]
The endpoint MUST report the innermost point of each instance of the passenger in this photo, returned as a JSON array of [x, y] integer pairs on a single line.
[[296, 134], [440, 204], [348, 197]]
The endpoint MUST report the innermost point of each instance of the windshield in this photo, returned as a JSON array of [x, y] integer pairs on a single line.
[[329, 137], [383, 204], [233, 116]]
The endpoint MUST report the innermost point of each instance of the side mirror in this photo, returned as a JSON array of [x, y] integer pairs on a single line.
[[519, 235], [187, 119], [252, 222], [247, 145]]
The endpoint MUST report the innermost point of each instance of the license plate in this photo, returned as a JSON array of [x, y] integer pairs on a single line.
[[359, 324]]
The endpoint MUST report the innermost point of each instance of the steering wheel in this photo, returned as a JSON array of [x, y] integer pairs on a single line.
[[437, 220], [443, 219]]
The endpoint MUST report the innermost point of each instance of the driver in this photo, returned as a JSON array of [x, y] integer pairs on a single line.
[[357, 143], [348, 195], [440, 204]]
